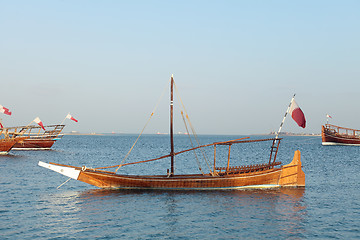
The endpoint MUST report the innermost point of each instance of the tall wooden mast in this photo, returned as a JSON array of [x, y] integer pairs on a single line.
[[171, 125]]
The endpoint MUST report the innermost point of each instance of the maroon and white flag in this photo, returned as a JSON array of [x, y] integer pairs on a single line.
[[328, 116], [4, 110], [71, 117], [38, 121], [297, 114]]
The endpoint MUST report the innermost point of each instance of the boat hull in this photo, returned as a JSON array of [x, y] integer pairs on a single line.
[[34, 144], [290, 175], [195, 182], [334, 138]]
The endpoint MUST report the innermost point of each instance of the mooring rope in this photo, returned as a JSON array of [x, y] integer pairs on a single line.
[[63, 183]]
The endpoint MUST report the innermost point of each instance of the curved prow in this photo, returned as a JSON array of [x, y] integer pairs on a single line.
[[292, 175]]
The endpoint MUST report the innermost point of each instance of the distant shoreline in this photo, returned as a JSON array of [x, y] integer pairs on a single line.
[[295, 134], [85, 134], [255, 134]]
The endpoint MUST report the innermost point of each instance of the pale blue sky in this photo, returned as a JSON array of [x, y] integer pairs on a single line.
[[236, 63]]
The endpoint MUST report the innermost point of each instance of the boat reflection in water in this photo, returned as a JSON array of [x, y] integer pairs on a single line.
[[275, 213], [235, 214]]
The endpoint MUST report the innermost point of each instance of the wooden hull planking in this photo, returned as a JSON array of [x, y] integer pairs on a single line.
[[290, 175], [34, 144], [8, 143], [329, 137]]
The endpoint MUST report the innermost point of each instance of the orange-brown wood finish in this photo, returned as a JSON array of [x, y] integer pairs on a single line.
[[290, 175]]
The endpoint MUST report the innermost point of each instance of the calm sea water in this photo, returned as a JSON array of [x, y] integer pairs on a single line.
[[33, 208]]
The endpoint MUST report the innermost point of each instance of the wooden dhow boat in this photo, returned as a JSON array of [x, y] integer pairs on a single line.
[[335, 135], [36, 137], [271, 174]]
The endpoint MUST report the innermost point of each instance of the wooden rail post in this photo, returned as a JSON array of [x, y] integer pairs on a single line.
[[214, 158], [228, 163]]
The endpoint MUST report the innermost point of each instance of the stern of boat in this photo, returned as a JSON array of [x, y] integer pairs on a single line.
[[292, 174]]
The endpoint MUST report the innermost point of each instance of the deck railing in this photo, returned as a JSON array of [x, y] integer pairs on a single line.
[[246, 169], [342, 130], [33, 131]]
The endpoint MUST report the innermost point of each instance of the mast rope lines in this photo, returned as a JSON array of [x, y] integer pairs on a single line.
[[169, 155], [192, 145], [152, 114], [193, 132]]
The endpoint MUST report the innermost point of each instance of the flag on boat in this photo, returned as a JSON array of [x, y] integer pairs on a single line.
[[38, 121], [4, 110], [328, 116], [71, 117], [1, 126], [297, 114]]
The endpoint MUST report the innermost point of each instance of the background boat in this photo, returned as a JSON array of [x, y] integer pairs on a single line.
[[36, 137], [335, 135]]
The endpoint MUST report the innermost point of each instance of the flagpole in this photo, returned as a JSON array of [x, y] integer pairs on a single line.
[[64, 119], [29, 123], [287, 111]]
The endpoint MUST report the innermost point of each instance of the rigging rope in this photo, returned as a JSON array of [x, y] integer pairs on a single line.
[[192, 145], [198, 142], [305, 139], [152, 114], [192, 129]]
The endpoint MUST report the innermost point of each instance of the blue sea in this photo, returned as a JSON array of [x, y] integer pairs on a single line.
[[33, 208]]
